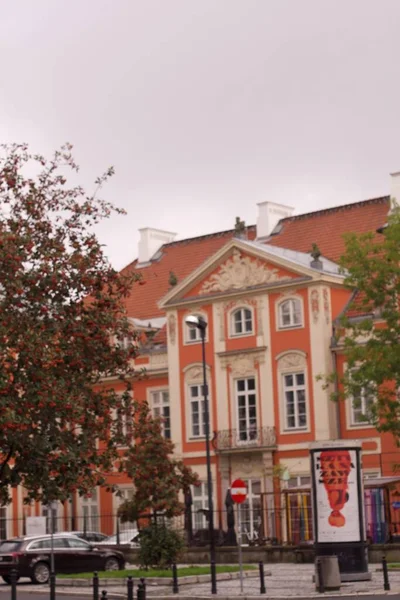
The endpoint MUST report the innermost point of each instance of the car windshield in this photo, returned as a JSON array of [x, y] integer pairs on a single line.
[[10, 545]]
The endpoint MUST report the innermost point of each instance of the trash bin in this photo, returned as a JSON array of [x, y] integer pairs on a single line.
[[329, 569]]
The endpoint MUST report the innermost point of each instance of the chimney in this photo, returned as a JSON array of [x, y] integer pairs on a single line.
[[150, 241], [269, 214], [394, 188]]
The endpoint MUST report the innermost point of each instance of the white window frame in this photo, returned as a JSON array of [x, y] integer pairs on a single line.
[[295, 388], [126, 494], [298, 481], [351, 422], [251, 506], [200, 400], [291, 325], [192, 335], [241, 310], [90, 509], [361, 410], [158, 402], [200, 501], [251, 431]]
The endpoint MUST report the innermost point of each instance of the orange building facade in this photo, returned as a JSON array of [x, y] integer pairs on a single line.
[[271, 309]]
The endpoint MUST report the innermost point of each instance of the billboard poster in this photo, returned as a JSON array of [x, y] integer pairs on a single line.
[[336, 495]]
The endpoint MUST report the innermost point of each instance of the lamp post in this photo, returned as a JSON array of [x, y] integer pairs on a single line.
[[201, 325]]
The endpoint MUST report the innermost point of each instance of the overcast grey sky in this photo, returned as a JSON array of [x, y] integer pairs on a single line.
[[206, 107]]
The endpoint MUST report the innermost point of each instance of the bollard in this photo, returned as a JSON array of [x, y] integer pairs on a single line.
[[129, 586], [13, 577], [262, 577], [95, 586], [104, 595], [141, 590], [386, 584], [52, 586], [213, 578], [321, 587], [175, 587]]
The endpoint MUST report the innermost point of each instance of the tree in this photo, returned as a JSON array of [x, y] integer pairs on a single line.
[[157, 476], [370, 328], [61, 308]]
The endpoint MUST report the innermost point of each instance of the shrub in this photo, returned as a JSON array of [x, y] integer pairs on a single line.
[[160, 546]]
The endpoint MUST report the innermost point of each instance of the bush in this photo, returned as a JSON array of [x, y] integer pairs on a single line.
[[160, 546]]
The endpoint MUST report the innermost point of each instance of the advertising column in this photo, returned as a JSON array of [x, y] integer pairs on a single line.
[[338, 506]]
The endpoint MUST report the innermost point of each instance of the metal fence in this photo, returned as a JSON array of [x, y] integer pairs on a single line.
[[270, 519]]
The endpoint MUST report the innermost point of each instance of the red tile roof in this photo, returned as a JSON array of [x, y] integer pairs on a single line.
[[181, 258], [324, 227]]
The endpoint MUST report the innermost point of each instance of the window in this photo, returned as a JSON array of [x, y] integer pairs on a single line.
[[124, 423], [193, 334], [299, 481], [246, 409], [3, 522], [290, 313], [294, 391], [51, 513], [90, 511], [160, 406], [242, 321], [200, 504], [125, 494], [251, 512], [77, 543], [361, 405], [197, 410]]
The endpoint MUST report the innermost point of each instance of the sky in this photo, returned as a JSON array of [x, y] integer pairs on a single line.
[[206, 107]]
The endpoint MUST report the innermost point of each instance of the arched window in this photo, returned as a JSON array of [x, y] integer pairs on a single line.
[[290, 313], [242, 322]]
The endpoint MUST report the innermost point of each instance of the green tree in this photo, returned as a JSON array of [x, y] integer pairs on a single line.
[[61, 304], [157, 476], [370, 328]]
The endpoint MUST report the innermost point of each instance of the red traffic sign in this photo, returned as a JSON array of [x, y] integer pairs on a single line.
[[238, 491]]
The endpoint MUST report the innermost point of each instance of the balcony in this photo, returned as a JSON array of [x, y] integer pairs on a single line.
[[236, 440]]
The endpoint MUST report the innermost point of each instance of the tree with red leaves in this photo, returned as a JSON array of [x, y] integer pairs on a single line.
[[61, 309], [157, 476]]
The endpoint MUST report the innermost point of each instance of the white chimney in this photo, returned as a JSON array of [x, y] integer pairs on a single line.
[[150, 241], [269, 213], [394, 188]]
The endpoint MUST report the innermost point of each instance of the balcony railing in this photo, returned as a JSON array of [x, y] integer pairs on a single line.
[[236, 439]]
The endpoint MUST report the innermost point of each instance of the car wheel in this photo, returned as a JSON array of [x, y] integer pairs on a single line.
[[41, 573], [111, 564], [7, 579]]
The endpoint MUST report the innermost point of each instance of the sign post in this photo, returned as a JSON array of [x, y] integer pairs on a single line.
[[239, 495]]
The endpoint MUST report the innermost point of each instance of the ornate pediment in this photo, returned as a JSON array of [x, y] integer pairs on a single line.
[[240, 272]]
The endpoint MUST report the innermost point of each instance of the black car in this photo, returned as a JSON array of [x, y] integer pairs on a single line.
[[31, 556], [90, 536]]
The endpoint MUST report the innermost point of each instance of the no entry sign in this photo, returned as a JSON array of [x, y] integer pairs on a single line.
[[238, 491]]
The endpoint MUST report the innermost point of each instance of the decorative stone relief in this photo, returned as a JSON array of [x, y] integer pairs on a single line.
[[246, 465], [194, 373], [287, 294], [240, 272], [172, 328], [325, 295], [315, 304], [291, 359], [158, 361], [242, 364], [260, 306], [221, 322]]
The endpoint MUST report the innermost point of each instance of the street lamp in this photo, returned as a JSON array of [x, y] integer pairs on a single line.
[[201, 325]]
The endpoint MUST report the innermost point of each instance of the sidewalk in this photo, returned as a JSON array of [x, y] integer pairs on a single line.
[[286, 581]]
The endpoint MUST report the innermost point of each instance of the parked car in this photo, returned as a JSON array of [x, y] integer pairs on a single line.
[[129, 536], [90, 536], [30, 556]]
